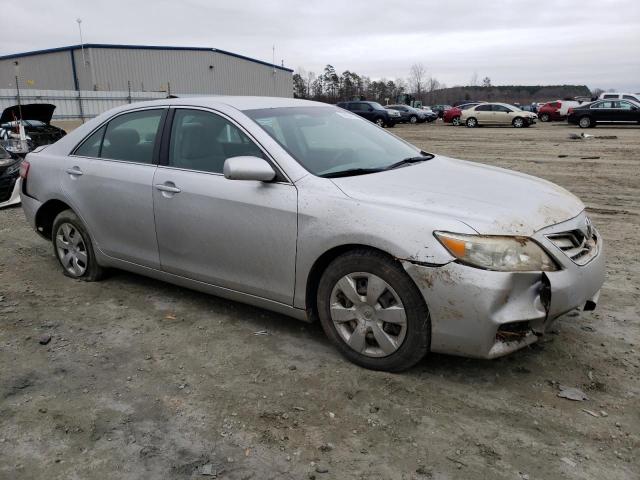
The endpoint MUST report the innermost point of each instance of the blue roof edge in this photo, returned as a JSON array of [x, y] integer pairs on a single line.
[[139, 47]]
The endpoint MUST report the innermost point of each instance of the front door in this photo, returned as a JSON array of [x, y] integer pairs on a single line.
[[235, 234], [109, 178]]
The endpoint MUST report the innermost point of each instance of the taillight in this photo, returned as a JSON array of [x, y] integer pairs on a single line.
[[570, 111], [24, 169]]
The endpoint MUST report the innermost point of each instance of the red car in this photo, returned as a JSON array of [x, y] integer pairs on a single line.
[[453, 114], [551, 111]]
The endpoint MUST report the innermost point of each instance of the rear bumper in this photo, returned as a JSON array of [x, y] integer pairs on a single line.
[[486, 314], [30, 206], [12, 195]]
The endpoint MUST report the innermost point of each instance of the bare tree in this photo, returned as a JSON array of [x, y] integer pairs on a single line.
[[486, 82], [417, 78], [596, 92], [474, 80]]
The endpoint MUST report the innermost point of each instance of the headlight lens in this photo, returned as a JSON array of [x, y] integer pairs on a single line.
[[13, 168], [499, 253]]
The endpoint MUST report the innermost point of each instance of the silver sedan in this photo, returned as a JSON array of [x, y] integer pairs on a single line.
[[308, 210]]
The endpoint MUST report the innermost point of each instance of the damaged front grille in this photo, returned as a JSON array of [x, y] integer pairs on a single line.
[[577, 245]]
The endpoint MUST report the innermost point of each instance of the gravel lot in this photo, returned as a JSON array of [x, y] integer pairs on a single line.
[[146, 380]]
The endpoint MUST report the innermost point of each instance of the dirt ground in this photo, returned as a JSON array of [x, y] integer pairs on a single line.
[[146, 380]]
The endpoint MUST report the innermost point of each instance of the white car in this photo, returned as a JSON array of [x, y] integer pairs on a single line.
[[620, 96], [9, 179]]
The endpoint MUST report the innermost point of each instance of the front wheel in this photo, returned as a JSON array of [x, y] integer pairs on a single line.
[[472, 122], [518, 122], [413, 119], [456, 121], [379, 121], [73, 248], [544, 117], [373, 312]]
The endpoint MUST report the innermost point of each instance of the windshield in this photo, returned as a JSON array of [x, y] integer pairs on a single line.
[[327, 140]]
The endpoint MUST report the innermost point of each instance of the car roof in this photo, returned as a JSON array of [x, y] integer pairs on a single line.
[[237, 102]]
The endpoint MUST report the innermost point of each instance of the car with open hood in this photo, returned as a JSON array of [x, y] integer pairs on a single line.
[[311, 211], [36, 119]]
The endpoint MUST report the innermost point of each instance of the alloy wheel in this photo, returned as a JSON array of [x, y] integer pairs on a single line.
[[368, 314], [71, 249], [456, 121], [518, 122], [585, 122], [380, 122], [413, 120]]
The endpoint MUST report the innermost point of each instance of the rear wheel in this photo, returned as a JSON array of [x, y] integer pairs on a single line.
[[518, 122], [456, 121], [373, 312], [413, 119], [545, 117], [472, 122], [379, 121], [585, 122], [73, 248]]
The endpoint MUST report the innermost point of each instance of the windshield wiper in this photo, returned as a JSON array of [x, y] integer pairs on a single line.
[[410, 160], [351, 172]]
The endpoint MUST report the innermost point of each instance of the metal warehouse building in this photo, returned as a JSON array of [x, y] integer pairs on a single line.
[[187, 70]]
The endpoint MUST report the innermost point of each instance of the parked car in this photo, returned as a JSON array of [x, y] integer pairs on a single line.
[[408, 114], [373, 112], [430, 114], [9, 178], [453, 114], [557, 110], [440, 109], [496, 114], [620, 96], [308, 210], [36, 118], [605, 111]]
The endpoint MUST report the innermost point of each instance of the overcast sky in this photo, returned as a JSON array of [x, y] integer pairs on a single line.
[[592, 42]]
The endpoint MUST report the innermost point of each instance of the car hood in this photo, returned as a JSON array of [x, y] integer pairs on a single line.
[[491, 200], [31, 111]]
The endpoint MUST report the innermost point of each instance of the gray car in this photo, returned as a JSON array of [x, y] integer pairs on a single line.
[[311, 211]]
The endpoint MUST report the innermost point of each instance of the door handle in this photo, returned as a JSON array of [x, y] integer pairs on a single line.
[[74, 171], [167, 187]]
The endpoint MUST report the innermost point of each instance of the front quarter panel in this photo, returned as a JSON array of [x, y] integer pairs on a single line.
[[327, 218]]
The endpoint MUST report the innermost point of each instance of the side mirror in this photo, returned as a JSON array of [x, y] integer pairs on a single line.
[[248, 168]]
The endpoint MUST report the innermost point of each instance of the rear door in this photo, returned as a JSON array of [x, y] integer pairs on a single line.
[[235, 234], [483, 114], [109, 178]]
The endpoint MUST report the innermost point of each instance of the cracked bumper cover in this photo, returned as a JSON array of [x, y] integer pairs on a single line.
[[469, 305]]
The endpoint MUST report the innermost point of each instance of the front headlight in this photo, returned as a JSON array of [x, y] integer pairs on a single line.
[[13, 168], [499, 253]]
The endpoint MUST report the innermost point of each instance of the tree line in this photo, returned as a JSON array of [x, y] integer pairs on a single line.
[[332, 87]]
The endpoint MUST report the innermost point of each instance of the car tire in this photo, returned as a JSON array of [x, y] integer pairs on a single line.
[[471, 122], [413, 119], [380, 122], [403, 342], [455, 121], [518, 122], [544, 117], [585, 122], [74, 249]]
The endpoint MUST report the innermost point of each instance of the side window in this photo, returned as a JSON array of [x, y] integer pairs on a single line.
[[483, 108], [203, 141], [131, 137], [500, 108], [630, 97], [91, 146], [610, 96], [357, 107], [624, 105]]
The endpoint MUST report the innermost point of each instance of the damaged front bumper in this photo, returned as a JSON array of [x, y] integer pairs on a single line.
[[487, 314]]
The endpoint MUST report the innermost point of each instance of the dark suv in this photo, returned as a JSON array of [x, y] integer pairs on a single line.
[[373, 111]]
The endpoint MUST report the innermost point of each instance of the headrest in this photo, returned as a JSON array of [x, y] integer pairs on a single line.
[[124, 137]]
